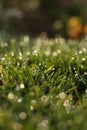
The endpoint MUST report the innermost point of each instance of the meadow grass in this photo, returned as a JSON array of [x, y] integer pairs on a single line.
[[43, 83]]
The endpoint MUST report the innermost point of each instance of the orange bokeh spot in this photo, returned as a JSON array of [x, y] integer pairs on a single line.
[[74, 27], [85, 30]]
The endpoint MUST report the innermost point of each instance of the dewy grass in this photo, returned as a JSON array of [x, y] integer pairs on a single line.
[[43, 84]]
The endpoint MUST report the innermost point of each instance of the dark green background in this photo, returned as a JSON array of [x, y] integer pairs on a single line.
[[36, 16]]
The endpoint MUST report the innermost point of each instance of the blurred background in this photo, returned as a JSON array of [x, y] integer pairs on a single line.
[[54, 17]]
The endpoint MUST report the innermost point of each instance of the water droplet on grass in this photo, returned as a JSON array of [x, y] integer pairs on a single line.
[[17, 126], [11, 96], [3, 59], [20, 100], [31, 108], [26, 39], [54, 54], [83, 59], [23, 115], [80, 52], [44, 99], [22, 86], [35, 52], [45, 123], [67, 105], [62, 95]]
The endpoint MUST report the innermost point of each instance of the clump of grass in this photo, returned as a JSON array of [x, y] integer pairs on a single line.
[[43, 84]]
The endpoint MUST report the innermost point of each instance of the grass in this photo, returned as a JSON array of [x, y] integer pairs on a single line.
[[43, 84]]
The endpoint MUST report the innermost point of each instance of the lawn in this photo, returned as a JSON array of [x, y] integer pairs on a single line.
[[43, 83]]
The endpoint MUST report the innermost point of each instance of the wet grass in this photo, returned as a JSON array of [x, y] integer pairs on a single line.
[[43, 84]]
